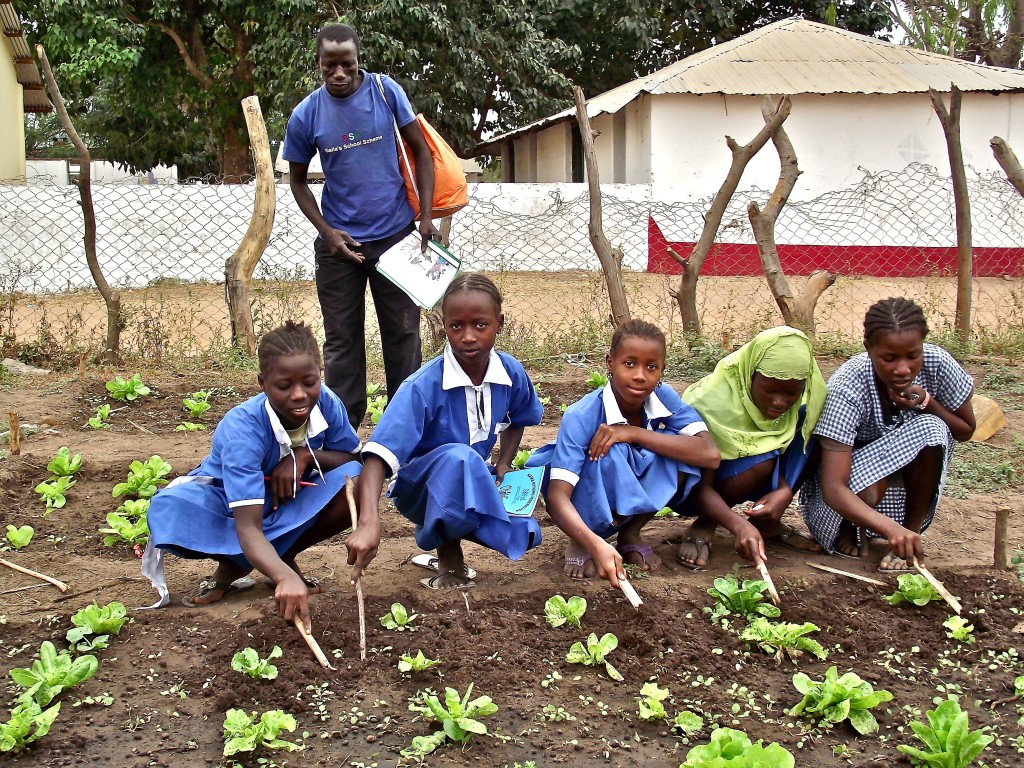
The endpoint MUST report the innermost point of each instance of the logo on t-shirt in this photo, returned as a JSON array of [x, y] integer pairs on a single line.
[[351, 136], [351, 139]]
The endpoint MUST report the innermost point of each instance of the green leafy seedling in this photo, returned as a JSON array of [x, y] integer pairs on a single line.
[[127, 525], [913, 588], [650, 703], [594, 652], [64, 464], [96, 621], [947, 738], [52, 492], [188, 426], [519, 462], [373, 389], [687, 723], [127, 389], [101, 419], [746, 598], [597, 380], [52, 673], [458, 716], [244, 733], [375, 407], [28, 722], [559, 611], [835, 699], [398, 618], [19, 538], [957, 628], [197, 404], [730, 748], [144, 478], [248, 662], [782, 637], [418, 663]]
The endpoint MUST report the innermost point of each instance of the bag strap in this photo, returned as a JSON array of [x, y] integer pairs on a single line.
[[402, 153]]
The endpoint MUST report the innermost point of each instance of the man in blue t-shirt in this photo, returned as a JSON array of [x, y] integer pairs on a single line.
[[349, 121]]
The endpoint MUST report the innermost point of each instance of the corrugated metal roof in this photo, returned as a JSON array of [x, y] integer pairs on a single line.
[[796, 56], [25, 67]]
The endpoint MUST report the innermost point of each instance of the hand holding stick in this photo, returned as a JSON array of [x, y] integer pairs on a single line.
[[939, 587], [314, 646], [763, 570], [350, 495]]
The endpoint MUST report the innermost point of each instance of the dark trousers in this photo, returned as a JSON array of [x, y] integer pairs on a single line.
[[341, 289]]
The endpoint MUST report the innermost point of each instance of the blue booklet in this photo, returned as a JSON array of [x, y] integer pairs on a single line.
[[519, 490]]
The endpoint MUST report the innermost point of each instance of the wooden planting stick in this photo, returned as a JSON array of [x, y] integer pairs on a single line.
[[763, 570], [857, 576], [630, 593], [350, 495], [14, 436], [314, 646], [41, 576], [1000, 557], [939, 587]]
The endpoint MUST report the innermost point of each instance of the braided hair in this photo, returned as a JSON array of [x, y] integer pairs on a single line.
[[289, 339], [893, 315], [473, 281], [639, 329]]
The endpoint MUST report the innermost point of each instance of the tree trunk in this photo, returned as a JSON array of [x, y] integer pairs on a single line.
[[111, 298], [239, 267], [686, 294], [797, 309], [610, 258], [1008, 162], [234, 153], [950, 121]]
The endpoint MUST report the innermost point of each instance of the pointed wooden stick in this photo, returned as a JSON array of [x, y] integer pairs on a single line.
[[14, 434], [41, 576], [763, 570], [847, 574], [630, 593], [314, 646], [939, 587], [350, 495]]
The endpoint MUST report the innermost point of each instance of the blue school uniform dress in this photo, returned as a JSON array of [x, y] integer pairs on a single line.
[[789, 463], [194, 517], [628, 480], [437, 436]]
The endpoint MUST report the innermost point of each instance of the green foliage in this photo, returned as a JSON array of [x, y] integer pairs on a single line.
[[28, 722], [687, 723], [745, 598], [650, 706], [597, 380], [188, 426], [127, 389], [458, 717], [984, 468], [1017, 561], [248, 661], [947, 738], [144, 478], [519, 462], [398, 619], [127, 525], [101, 419], [836, 698], [197, 403], [244, 733], [913, 588], [957, 628], [418, 663], [783, 638], [373, 389], [19, 538], [375, 407], [52, 673], [594, 652], [98, 622], [559, 611], [52, 492], [730, 748], [63, 464]]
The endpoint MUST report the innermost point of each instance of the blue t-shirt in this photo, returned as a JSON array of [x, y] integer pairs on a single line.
[[354, 135]]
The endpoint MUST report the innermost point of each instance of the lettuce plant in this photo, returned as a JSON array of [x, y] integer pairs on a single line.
[[19, 538], [52, 492], [730, 748], [98, 623], [144, 478], [188, 426], [53, 672], [687, 723], [597, 380], [64, 464], [521, 457], [957, 628], [745, 598], [594, 652], [124, 529], [913, 588], [649, 703], [418, 663], [458, 717], [836, 698], [559, 611], [375, 407], [127, 389], [197, 403], [28, 722], [244, 733], [947, 738], [101, 419], [248, 661], [398, 618], [783, 638]]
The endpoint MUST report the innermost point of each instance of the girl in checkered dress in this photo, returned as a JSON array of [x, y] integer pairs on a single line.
[[891, 419]]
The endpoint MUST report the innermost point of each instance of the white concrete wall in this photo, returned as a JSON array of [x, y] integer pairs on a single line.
[[554, 154], [12, 120], [43, 172]]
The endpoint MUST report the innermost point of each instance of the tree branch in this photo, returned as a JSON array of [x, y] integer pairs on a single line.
[[1008, 162]]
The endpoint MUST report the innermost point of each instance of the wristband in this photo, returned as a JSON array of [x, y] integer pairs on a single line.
[[924, 403]]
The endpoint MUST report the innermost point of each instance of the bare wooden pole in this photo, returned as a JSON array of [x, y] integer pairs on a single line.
[[111, 297], [1000, 554], [239, 267], [35, 574], [950, 121], [1008, 161], [350, 495], [610, 258], [314, 646], [14, 433], [847, 574]]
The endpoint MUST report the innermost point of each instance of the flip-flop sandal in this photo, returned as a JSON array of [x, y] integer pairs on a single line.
[[700, 544], [581, 563], [429, 561], [783, 539], [208, 585], [641, 549], [890, 557], [430, 582], [313, 585]]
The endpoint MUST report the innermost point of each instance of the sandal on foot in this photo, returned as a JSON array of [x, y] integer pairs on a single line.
[[313, 585], [640, 549], [208, 585], [701, 545], [431, 582], [429, 561], [890, 557], [581, 563], [788, 538]]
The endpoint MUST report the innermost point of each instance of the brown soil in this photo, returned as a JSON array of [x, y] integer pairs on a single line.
[[358, 714]]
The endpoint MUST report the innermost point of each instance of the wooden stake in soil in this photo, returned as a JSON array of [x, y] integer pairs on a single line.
[[847, 574], [41, 576], [763, 570], [350, 495], [939, 587], [314, 646], [630, 593], [14, 436], [1000, 556]]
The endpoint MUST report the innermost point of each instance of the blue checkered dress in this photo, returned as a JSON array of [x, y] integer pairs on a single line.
[[853, 415]]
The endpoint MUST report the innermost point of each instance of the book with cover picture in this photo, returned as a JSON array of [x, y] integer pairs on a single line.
[[423, 275]]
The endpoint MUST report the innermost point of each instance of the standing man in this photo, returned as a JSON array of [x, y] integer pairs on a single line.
[[364, 211]]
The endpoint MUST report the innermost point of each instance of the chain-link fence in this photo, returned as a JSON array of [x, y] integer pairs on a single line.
[[164, 247]]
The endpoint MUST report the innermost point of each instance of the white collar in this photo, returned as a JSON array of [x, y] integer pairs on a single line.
[[316, 424], [653, 407], [453, 376]]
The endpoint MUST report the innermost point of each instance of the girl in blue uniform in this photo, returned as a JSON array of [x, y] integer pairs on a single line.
[[623, 453], [249, 503], [438, 432]]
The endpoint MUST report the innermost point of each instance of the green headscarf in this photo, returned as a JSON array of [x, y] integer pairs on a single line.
[[723, 398]]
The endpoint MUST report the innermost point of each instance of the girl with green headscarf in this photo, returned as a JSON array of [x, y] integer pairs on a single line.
[[760, 404]]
